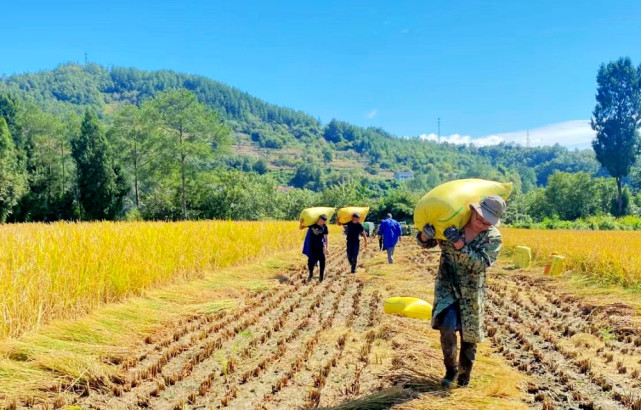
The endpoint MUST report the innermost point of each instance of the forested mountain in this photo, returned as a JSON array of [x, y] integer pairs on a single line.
[[279, 146], [72, 87]]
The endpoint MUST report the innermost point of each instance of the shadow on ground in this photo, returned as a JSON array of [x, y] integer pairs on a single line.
[[407, 389]]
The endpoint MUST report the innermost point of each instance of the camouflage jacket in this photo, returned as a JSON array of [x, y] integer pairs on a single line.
[[461, 277]]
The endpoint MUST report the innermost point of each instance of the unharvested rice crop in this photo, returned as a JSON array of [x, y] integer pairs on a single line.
[[612, 256], [61, 270]]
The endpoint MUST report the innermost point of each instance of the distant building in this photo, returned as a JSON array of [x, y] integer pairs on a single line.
[[404, 175]]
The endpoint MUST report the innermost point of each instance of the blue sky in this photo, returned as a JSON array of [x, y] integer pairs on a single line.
[[489, 70]]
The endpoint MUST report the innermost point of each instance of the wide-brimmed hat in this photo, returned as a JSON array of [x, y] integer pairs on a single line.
[[491, 208]]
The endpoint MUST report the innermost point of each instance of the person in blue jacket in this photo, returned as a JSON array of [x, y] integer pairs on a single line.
[[391, 232]]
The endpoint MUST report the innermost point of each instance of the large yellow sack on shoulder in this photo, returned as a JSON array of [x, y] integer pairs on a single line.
[[449, 203], [310, 216], [408, 307], [345, 214]]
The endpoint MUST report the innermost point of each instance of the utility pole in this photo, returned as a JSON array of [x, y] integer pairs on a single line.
[[527, 141], [439, 130], [85, 58]]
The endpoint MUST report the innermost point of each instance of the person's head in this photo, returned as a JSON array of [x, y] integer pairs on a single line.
[[356, 217], [322, 220], [389, 216], [487, 213]]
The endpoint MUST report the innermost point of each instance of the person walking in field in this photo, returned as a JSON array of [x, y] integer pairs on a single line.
[[459, 291], [354, 231], [316, 247], [391, 232]]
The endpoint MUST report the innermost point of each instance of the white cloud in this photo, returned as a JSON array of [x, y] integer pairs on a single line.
[[372, 114], [462, 139], [571, 134]]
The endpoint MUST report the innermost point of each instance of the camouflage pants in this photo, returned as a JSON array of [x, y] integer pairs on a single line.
[[449, 322]]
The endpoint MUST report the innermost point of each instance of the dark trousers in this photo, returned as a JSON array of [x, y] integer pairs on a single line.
[[313, 259], [352, 254], [449, 322]]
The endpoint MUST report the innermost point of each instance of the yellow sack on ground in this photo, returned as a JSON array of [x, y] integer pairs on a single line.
[[449, 203], [409, 307], [345, 214], [522, 257], [310, 216], [555, 264]]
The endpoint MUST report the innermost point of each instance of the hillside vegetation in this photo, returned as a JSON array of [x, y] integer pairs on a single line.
[[257, 148]]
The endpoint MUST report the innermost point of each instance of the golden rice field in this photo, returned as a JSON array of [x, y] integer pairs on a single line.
[[62, 270], [609, 255]]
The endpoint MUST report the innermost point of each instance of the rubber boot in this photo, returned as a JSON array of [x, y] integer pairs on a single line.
[[450, 376], [448, 345], [466, 358]]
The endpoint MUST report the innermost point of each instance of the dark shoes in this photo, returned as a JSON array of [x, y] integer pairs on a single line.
[[464, 379], [450, 376]]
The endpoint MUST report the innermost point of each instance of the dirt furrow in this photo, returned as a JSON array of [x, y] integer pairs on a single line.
[[305, 386], [529, 342], [279, 369], [213, 380]]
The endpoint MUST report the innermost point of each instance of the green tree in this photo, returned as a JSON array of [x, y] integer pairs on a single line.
[[308, 175], [616, 118], [136, 145], [48, 163], [101, 186], [572, 196], [11, 181], [190, 133]]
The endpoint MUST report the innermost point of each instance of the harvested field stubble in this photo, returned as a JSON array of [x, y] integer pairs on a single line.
[[294, 344]]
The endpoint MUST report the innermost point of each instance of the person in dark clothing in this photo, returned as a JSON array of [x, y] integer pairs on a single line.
[[354, 230], [316, 246]]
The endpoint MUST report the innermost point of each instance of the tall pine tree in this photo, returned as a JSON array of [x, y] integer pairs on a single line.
[[101, 188], [616, 119], [190, 133]]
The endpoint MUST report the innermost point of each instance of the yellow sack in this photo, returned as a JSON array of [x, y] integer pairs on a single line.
[[449, 203], [522, 257], [345, 214], [408, 307], [310, 216], [555, 264]]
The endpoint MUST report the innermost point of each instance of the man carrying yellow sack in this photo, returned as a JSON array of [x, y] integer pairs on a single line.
[[354, 230], [459, 291]]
